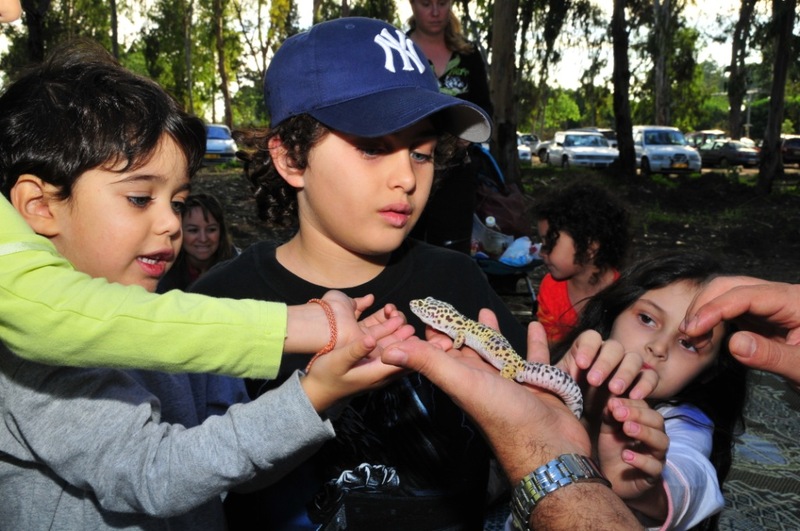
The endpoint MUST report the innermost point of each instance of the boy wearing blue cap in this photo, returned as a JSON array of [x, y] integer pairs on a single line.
[[358, 125]]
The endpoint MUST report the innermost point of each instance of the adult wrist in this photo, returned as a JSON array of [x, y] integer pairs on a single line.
[[565, 470]]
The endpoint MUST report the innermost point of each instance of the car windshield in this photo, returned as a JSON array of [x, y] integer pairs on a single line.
[[586, 141], [793, 143], [217, 133], [665, 138]]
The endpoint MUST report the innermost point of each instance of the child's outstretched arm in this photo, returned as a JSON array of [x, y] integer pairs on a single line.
[[53, 314]]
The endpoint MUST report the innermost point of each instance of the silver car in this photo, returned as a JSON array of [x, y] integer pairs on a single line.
[[220, 147], [581, 148]]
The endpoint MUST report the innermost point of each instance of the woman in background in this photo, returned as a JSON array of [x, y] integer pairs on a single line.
[[459, 66], [206, 242]]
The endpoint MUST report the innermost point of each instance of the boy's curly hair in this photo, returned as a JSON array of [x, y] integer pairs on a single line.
[[588, 213], [276, 200]]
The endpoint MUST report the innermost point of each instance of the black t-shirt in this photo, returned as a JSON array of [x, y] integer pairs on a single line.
[[410, 424]]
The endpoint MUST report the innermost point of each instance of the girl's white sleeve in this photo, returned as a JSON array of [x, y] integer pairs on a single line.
[[690, 479]]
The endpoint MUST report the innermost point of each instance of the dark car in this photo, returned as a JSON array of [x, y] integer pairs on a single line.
[[220, 147], [790, 149], [728, 153]]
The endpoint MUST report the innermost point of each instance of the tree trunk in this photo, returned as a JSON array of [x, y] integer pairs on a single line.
[[503, 69], [771, 165], [114, 30], [622, 107], [661, 20], [737, 73], [35, 11], [219, 24], [187, 52]]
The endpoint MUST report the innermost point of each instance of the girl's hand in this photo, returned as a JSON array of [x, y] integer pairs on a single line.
[[355, 367], [631, 451], [347, 311], [591, 362]]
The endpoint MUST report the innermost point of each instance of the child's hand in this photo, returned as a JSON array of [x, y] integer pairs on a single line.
[[356, 366], [631, 450], [592, 361], [347, 311]]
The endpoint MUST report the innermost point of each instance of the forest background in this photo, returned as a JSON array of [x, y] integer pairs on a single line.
[[640, 59]]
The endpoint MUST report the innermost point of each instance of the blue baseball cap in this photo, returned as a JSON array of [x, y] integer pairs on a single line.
[[363, 77]]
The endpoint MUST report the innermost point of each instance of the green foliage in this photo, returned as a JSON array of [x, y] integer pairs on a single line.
[[249, 108], [61, 21], [561, 112]]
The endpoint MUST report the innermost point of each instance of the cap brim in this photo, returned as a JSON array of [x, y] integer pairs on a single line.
[[392, 110]]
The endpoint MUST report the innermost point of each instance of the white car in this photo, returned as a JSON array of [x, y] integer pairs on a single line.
[[541, 149], [523, 150], [581, 148], [661, 149]]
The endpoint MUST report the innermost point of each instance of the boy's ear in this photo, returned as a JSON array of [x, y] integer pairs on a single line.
[[283, 163], [32, 197]]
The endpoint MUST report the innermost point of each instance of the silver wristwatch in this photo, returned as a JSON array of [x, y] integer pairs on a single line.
[[561, 471]]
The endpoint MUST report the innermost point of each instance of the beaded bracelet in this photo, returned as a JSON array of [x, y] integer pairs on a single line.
[[334, 332]]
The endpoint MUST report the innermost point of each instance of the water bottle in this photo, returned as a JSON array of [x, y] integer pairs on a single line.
[[494, 241]]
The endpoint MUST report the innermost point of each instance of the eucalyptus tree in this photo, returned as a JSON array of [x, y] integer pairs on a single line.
[[224, 40], [262, 26], [218, 8], [737, 70], [502, 70], [179, 51], [622, 77], [783, 51]]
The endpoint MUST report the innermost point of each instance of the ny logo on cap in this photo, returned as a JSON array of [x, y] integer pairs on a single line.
[[403, 46]]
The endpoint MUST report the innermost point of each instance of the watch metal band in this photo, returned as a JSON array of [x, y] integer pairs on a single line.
[[561, 471]]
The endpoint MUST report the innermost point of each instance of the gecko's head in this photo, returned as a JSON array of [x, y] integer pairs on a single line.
[[429, 307]]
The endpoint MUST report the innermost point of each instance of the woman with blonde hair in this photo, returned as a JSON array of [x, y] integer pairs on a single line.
[[461, 71]]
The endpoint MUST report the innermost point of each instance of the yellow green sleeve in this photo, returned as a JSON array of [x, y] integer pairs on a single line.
[[52, 314]]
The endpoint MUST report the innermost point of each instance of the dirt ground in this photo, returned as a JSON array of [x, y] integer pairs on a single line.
[[751, 234]]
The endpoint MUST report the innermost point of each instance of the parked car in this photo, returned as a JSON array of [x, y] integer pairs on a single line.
[[749, 142], [610, 134], [523, 150], [581, 148], [726, 153], [700, 138], [541, 149], [220, 146], [790, 149], [528, 139], [661, 149]]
